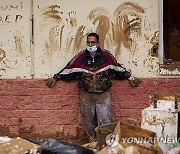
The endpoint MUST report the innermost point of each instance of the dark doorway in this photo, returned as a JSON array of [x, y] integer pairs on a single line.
[[171, 25]]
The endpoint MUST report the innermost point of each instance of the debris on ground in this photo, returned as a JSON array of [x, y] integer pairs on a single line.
[[113, 138], [18, 146], [53, 146]]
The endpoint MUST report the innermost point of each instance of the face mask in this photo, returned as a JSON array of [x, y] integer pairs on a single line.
[[91, 49]]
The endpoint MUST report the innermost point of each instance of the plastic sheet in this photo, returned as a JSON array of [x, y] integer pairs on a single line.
[[53, 146]]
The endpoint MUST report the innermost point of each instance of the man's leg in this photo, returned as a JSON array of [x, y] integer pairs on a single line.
[[103, 112], [88, 114]]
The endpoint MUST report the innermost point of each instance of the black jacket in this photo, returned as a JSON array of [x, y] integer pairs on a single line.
[[94, 74]]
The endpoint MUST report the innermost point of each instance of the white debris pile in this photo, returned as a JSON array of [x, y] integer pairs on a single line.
[[18, 146]]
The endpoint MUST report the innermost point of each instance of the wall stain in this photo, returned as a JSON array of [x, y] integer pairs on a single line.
[[53, 12], [79, 36], [149, 62], [154, 50], [101, 16], [73, 19], [26, 131], [2, 54], [122, 29], [154, 41], [52, 16], [123, 26], [18, 38], [153, 120], [76, 33], [135, 63], [69, 42], [166, 97], [54, 41], [4, 130], [60, 37]]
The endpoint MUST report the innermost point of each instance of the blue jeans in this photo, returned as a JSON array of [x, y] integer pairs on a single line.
[[95, 111]]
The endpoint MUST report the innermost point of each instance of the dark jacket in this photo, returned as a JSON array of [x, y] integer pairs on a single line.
[[94, 74]]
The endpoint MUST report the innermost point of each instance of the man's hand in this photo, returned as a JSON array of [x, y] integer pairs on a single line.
[[50, 82], [134, 81]]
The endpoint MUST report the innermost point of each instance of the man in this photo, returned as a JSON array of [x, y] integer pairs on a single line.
[[94, 68]]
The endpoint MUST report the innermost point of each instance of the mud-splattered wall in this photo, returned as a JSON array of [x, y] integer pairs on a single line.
[[15, 53], [38, 37], [128, 29], [38, 49]]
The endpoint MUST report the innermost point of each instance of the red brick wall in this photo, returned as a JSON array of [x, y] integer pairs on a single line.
[[28, 108]]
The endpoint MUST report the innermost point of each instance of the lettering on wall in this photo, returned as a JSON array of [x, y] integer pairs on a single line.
[[11, 17]]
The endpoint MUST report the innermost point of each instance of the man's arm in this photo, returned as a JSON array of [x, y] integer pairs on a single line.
[[68, 73], [120, 73], [123, 75], [64, 77], [134, 81]]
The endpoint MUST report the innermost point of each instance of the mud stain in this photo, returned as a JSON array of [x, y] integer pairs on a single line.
[[127, 23], [52, 20], [73, 19], [73, 30], [53, 12], [60, 37], [4, 130], [54, 41], [69, 42], [153, 120], [154, 50], [18, 38], [122, 28], [101, 16], [154, 41], [79, 36], [165, 97], [2, 54]]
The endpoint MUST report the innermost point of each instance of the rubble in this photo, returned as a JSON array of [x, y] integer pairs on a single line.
[[18, 146]]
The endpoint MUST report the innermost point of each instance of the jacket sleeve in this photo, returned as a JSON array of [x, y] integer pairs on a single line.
[[121, 74], [66, 77], [117, 71], [71, 70]]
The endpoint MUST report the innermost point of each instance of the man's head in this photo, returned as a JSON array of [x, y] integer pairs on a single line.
[[95, 35], [92, 42]]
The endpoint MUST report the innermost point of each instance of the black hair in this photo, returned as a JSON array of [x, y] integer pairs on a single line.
[[95, 35]]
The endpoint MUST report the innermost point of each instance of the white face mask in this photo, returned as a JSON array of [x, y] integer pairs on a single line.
[[91, 49]]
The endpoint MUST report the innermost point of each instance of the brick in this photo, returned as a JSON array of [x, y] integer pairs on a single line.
[[125, 104], [8, 103], [128, 112], [4, 130], [74, 116], [13, 131], [54, 112], [70, 131], [4, 121]]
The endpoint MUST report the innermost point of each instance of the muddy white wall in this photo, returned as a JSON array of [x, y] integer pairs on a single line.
[[38, 49], [15, 33]]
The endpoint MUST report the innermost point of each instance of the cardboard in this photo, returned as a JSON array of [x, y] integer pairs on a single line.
[[19, 146]]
